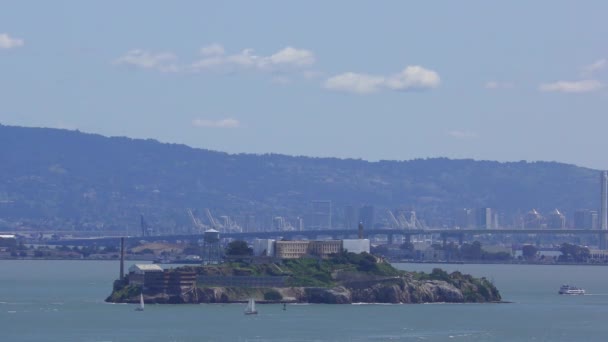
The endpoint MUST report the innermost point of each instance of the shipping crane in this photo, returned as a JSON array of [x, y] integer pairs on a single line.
[[197, 223]]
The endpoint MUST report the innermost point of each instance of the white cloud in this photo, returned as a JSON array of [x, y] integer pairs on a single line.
[[583, 86], [596, 66], [292, 56], [355, 83], [462, 134], [223, 123], [212, 50], [8, 42], [411, 78], [163, 61], [214, 57], [498, 85], [288, 57]]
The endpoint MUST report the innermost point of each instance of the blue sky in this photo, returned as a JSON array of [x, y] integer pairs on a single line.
[[509, 81]]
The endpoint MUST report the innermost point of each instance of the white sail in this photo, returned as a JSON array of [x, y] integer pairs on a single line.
[[250, 309], [141, 303]]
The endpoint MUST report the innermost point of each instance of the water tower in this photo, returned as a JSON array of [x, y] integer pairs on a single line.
[[211, 247]]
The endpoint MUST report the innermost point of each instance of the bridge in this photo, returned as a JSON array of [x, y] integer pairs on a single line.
[[390, 233]]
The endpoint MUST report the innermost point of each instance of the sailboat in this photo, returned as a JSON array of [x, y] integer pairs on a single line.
[[250, 309], [141, 303]]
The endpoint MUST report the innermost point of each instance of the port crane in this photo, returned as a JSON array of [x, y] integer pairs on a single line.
[[197, 223]]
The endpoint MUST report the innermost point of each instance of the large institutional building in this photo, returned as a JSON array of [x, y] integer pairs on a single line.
[[299, 248]]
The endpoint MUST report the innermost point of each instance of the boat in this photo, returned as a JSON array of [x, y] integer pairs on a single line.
[[571, 290], [141, 303], [250, 309]]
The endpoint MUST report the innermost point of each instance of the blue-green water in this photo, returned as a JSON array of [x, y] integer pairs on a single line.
[[63, 301]]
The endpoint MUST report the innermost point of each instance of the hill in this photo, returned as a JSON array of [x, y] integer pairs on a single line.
[[340, 279], [51, 178]]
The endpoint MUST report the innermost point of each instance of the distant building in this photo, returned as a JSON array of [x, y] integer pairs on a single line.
[[556, 220], [291, 249], [149, 276], [585, 219], [324, 248], [141, 269], [367, 216], [8, 240], [249, 225], [350, 217], [533, 220], [300, 248], [299, 223], [278, 223], [465, 218], [263, 247], [320, 218], [484, 218]]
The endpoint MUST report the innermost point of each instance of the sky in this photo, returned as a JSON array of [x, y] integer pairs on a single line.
[[376, 80]]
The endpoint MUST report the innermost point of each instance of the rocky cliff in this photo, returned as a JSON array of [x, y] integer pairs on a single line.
[[336, 281]]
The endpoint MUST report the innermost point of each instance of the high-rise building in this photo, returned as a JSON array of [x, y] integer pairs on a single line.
[[299, 223], [585, 219], [350, 217], [465, 218], [483, 218], [278, 223], [556, 220], [533, 220], [366, 216], [320, 218]]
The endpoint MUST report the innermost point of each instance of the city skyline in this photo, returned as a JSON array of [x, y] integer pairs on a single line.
[[384, 84]]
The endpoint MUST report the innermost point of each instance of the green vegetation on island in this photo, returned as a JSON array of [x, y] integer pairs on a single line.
[[340, 279]]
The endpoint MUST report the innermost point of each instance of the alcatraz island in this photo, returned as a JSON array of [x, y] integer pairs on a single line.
[[315, 276]]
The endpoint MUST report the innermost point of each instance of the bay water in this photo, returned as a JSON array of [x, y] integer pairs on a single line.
[[64, 301]]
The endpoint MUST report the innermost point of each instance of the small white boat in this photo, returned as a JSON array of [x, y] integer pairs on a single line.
[[571, 290], [250, 309], [141, 303]]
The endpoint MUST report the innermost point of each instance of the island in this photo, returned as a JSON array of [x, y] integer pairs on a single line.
[[342, 278]]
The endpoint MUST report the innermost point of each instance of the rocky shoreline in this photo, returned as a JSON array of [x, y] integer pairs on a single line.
[[328, 282]]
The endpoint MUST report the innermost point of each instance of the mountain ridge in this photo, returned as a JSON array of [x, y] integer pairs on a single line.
[[53, 177]]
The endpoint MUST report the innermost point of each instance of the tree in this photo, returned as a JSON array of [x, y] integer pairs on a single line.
[[574, 253], [471, 251], [529, 252], [238, 247]]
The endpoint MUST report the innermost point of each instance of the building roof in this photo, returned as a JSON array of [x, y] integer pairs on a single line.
[[146, 268]]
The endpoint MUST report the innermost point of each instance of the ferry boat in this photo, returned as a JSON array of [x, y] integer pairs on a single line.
[[571, 290]]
